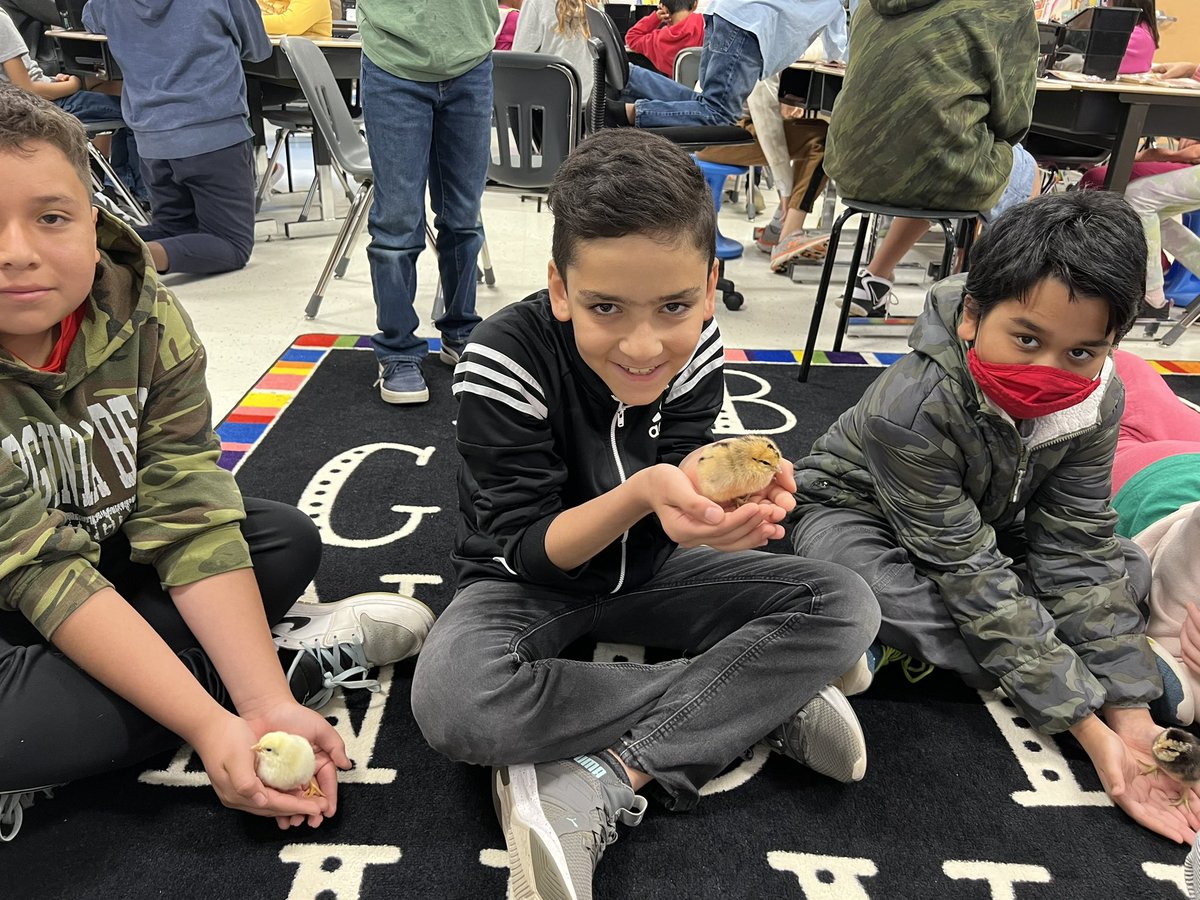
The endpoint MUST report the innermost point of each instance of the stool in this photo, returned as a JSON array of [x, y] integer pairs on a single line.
[[943, 217], [727, 248]]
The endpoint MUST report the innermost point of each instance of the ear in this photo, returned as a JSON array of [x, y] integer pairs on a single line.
[[710, 291], [559, 304], [968, 326]]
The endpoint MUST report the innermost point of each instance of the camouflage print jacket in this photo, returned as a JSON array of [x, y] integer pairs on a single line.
[[122, 439], [924, 451]]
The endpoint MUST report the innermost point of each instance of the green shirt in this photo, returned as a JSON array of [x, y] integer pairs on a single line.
[[1157, 491], [428, 40]]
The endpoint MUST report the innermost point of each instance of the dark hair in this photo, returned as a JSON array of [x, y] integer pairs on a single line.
[[625, 181], [676, 6], [1149, 14], [1091, 241], [26, 118]]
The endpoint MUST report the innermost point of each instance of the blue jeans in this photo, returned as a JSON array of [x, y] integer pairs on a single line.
[[93, 106], [437, 132], [762, 633], [1020, 182], [730, 64]]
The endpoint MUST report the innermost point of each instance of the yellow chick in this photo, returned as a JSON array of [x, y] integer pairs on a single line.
[[286, 762], [734, 469], [1177, 754]]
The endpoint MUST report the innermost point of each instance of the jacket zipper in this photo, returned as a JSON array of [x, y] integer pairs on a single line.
[[1026, 452], [618, 421]]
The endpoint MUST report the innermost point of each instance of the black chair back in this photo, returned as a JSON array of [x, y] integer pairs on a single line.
[[537, 117], [616, 72]]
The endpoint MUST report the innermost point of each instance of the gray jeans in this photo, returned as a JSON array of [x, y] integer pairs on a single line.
[[761, 634], [915, 618]]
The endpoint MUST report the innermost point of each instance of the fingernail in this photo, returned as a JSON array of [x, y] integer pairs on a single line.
[[712, 515]]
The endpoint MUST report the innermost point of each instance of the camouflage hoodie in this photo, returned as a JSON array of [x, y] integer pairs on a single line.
[[122, 439], [936, 94], [924, 451]]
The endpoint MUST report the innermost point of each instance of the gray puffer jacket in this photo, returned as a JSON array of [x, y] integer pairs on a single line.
[[925, 451]]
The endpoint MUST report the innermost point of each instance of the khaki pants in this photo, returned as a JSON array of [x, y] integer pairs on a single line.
[[806, 149]]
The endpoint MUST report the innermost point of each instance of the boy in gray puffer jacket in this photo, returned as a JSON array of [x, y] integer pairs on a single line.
[[970, 487]]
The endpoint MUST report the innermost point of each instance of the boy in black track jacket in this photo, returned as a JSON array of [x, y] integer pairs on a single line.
[[581, 413]]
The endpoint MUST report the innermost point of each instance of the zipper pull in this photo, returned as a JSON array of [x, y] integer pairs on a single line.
[[1020, 477], [620, 414]]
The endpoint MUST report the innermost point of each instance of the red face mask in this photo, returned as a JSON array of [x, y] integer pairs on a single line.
[[1027, 392]]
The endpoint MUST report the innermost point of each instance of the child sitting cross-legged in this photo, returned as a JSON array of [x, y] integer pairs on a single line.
[[971, 484], [582, 411], [137, 589]]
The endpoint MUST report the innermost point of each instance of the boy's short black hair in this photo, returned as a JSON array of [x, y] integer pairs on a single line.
[[677, 6], [26, 118], [624, 181], [1091, 241]]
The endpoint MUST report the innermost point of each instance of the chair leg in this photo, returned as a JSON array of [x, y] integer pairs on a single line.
[[125, 199], [264, 183], [1190, 314], [485, 258], [339, 249], [360, 206], [948, 252], [855, 261], [810, 343], [308, 199]]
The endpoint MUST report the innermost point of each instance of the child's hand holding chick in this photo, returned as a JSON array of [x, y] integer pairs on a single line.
[[737, 470], [287, 762]]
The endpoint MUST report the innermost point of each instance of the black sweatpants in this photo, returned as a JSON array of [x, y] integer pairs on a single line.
[[202, 209], [58, 724]]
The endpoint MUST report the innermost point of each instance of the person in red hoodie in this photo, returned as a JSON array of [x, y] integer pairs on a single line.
[[660, 37]]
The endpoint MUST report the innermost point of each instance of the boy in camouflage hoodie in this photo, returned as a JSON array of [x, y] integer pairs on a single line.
[[970, 486], [135, 587]]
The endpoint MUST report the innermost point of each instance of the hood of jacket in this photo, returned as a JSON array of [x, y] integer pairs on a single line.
[[887, 7], [123, 296], [149, 10]]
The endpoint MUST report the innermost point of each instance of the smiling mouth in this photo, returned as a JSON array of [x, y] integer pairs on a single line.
[[636, 371]]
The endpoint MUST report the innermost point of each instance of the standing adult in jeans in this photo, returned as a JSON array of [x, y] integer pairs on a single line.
[[427, 101], [744, 41]]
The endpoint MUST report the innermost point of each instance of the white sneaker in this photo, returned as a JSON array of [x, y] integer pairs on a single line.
[[858, 679], [13, 805], [338, 642], [825, 736]]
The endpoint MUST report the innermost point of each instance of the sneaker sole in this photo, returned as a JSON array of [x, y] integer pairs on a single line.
[[427, 615], [537, 865], [857, 680], [835, 767], [448, 358], [401, 398]]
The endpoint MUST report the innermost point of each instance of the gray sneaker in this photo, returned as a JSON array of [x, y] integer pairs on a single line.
[[825, 736], [13, 805], [1191, 870], [557, 818], [339, 642]]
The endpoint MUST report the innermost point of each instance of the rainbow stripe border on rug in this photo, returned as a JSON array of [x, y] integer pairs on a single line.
[[244, 427]]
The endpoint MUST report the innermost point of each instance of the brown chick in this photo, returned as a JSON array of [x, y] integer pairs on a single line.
[[1177, 754], [734, 469]]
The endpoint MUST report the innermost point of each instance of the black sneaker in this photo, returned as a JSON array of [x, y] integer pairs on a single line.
[[872, 296], [558, 818], [1157, 313], [451, 351], [615, 115]]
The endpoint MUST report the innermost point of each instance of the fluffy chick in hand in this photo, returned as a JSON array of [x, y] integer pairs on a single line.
[[286, 762], [1177, 754], [733, 470]]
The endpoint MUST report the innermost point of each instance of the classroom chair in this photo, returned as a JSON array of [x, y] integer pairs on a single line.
[[612, 73], [104, 177], [944, 217]]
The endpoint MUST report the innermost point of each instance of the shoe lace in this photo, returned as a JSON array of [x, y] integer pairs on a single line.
[[914, 669], [334, 671], [12, 810]]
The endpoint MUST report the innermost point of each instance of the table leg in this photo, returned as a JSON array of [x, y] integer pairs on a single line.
[[1129, 134]]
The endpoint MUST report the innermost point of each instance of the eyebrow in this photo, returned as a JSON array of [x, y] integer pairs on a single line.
[[1039, 331], [691, 293], [56, 200]]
